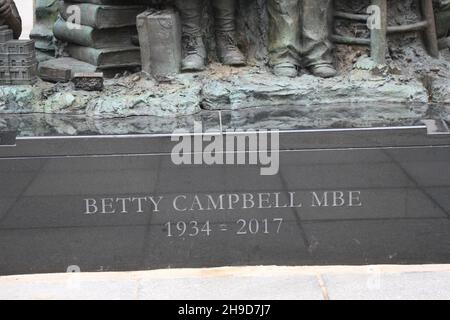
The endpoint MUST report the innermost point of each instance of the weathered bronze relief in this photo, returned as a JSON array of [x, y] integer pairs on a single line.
[[185, 56]]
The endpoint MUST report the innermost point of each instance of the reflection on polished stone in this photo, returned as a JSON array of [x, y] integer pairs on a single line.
[[257, 118], [39, 125]]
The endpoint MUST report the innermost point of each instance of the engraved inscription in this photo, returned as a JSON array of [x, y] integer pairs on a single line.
[[198, 203]]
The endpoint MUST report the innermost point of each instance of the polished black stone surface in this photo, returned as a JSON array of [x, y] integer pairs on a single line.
[[281, 117], [106, 203]]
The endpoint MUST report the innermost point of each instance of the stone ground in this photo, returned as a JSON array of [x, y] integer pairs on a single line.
[[426, 282]]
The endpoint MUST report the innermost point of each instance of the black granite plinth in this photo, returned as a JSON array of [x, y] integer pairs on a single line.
[[113, 203]]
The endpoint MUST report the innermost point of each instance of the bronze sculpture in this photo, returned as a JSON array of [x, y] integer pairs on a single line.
[[9, 15], [297, 37], [299, 31], [375, 19], [46, 12], [17, 58], [194, 52], [442, 8]]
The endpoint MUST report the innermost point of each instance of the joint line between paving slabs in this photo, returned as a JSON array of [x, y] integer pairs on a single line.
[[323, 287]]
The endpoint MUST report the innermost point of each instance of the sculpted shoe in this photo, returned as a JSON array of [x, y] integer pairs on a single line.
[[323, 71], [285, 70], [194, 53], [229, 53]]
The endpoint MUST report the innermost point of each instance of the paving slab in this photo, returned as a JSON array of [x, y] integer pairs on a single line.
[[393, 286], [295, 287], [244, 283], [70, 288]]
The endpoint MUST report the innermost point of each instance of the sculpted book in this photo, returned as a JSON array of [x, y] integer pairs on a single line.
[[107, 58], [104, 16], [94, 38]]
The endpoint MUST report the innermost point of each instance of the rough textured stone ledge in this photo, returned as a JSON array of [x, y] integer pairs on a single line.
[[121, 98], [255, 90], [220, 88]]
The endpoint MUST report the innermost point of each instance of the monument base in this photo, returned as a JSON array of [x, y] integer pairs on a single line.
[[119, 203]]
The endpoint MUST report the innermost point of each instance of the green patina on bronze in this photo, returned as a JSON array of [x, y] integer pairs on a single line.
[[42, 33], [299, 32], [442, 8]]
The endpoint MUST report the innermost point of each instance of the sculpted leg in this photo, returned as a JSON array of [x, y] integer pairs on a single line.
[[225, 24], [442, 8], [194, 52], [317, 50], [46, 12], [284, 36]]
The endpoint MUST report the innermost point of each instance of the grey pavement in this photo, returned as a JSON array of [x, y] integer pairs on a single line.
[[248, 283]]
